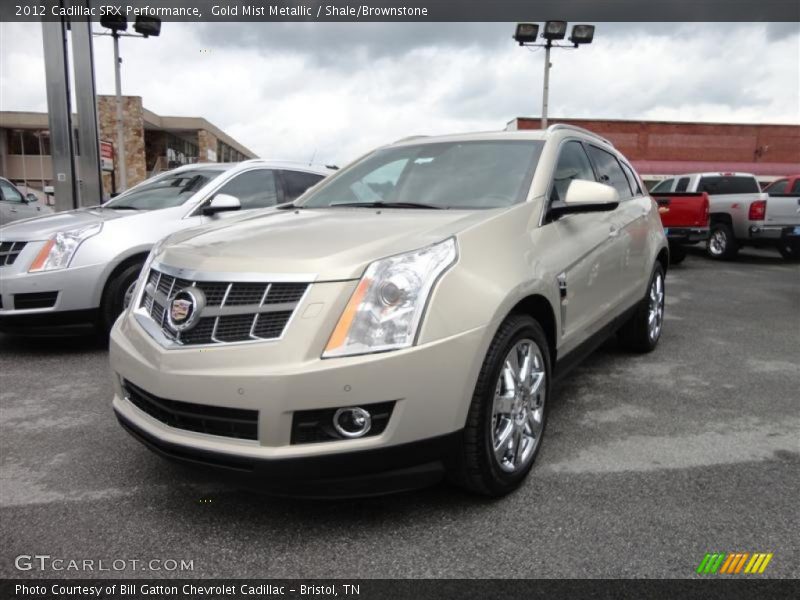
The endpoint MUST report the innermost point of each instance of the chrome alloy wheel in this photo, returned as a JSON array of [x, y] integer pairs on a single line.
[[655, 309], [718, 242], [518, 408], [128, 297]]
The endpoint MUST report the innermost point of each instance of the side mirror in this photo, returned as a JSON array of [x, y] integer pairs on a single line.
[[30, 198], [586, 196], [222, 203]]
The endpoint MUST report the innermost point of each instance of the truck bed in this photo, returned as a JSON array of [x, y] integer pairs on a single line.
[[684, 215]]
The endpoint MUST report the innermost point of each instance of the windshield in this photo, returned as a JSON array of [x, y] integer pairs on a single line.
[[164, 191], [466, 175]]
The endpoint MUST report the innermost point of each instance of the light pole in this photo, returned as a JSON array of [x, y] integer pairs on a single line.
[[526, 35], [145, 27]]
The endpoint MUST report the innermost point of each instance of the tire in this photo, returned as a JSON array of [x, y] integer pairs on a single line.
[[722, 244], [790, 250], [640, 334], [480, 469], [677, 254], [113, 302]]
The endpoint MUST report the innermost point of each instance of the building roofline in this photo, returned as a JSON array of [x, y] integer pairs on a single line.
[[659, 122], [171, 122]]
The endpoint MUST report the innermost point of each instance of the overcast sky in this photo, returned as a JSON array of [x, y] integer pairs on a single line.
[[291, 90]]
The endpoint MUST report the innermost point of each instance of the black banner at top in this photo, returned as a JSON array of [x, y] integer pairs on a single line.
[[408, 10]]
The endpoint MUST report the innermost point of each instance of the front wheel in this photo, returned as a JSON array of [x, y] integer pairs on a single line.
[[642, 332], [118, 294], [722, 243], [790, 250], [507, 416]]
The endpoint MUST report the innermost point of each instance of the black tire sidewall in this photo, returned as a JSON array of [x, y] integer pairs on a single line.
[[114, 295], [501, 482]]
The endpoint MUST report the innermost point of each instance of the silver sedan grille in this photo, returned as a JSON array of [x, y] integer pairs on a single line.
[[233, 311]]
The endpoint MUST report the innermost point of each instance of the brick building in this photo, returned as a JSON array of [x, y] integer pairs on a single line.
[[153, 143], [658, 149]]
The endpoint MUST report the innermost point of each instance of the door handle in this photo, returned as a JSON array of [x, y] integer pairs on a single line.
[[613, 231]]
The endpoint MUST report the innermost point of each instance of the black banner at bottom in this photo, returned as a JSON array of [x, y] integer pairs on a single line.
[[386, 589]]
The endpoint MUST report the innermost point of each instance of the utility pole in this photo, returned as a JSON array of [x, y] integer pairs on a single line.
[[546, 86], [120, 153]]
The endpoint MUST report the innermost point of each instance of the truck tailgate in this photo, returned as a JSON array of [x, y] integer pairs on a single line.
[[683, 209], [783, 209]]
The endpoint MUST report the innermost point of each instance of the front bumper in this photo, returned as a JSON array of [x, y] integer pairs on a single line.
[[67, 296], [430, 385], [686, 235]]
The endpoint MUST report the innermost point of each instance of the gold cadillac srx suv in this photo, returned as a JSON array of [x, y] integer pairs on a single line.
[[401, 321]]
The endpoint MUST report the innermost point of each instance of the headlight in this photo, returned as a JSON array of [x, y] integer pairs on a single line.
[[60, 248], [386, 309]]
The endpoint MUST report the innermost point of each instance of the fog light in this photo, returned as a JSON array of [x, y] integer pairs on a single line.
[[353, 422]]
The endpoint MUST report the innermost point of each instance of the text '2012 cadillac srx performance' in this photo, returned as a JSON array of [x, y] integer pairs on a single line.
[[400, 322]]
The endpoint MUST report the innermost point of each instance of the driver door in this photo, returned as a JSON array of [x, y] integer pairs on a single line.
[[13, 205], [584, 257], [256, 188]]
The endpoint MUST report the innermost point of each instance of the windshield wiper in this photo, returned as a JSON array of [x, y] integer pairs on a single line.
[[388, 205], [123, 207]]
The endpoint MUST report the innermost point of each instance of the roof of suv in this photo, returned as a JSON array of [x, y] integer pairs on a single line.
[[527, 134]]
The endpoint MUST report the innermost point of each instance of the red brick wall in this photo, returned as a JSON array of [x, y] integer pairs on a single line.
[[652, 140]]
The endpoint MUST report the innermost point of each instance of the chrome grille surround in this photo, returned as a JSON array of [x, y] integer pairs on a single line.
[[239, 308]]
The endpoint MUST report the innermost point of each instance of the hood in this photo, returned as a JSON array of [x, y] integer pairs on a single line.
[[41, 228], [330, 244]]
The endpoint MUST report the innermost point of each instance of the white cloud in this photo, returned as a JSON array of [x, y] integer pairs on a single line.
[[352, 87]]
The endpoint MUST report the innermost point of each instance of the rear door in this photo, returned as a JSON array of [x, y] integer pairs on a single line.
[[629, 229]]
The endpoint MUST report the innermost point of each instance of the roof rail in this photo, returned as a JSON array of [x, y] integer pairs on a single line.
[[409, 138], [558, 126]]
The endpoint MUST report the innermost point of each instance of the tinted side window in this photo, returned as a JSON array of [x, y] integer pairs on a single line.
[[572, 164], [796, 186], [9, 193], [254, 189], [779, 187], [683, 183], [728, 184], [632, 180], [297, 182], [664, 186], [609, 171]]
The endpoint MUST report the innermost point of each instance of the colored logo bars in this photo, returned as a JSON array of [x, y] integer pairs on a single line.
[[734, 563]]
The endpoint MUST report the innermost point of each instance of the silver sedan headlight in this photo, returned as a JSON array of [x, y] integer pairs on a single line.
[[386, 309], [61, 247]]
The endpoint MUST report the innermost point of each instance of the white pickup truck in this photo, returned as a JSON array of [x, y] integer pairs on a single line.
[[741, 214]]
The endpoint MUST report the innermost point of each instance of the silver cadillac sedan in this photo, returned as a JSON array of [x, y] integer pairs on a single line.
[[80, 267]]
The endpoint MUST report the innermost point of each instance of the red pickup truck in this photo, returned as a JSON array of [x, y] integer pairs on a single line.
[[685, 220]]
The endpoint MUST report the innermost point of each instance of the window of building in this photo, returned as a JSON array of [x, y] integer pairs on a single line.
[[572, 164], [297, 182], [254, 189], [609, 171]]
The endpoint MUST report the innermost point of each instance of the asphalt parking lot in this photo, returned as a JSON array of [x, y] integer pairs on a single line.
[[649, 462]]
